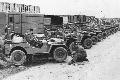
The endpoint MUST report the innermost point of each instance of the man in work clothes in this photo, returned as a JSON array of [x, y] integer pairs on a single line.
[[78, 55]]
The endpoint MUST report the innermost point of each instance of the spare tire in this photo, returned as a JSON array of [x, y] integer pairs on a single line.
[[18, 57], [87, 43], [94, 39], [60, 54]]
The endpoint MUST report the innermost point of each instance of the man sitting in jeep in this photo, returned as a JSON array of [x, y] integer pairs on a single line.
[[32, 40]]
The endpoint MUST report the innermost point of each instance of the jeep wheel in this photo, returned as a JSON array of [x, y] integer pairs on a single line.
[[60, 54], [87, 43], [18, 57], [94, 39], [99, 36]]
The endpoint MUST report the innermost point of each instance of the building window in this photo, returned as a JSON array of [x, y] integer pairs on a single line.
[[10, 19]]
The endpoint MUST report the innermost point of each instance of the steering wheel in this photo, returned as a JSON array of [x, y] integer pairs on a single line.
[[34, 38]]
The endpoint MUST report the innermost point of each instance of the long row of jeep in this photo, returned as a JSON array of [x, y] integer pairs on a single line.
[[87, 31], [88, 39]]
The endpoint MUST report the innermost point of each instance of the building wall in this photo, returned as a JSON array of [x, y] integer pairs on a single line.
[[27, 21], [13, 7]]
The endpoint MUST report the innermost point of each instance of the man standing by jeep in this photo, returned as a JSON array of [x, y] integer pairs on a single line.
[[7, 32]]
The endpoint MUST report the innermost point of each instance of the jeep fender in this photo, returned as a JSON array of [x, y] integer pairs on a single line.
[[11, 47]]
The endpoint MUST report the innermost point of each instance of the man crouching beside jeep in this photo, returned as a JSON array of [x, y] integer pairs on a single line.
[[79, 55]]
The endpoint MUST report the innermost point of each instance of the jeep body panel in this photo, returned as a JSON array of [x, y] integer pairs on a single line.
[[26, 46], [46, 48]]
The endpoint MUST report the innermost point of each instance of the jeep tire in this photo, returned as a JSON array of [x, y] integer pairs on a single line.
[[60, 54], [18, 57], [87, 43], [94, 39], [99, 36]]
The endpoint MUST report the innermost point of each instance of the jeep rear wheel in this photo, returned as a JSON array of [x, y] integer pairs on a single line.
[[94, 39], [18, 57], [87, 43], [60, 54]]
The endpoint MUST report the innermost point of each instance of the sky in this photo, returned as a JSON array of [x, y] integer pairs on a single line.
[[98, 8]]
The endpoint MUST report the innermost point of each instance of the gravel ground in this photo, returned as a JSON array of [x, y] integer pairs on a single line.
[[104, 62], [10, 71]]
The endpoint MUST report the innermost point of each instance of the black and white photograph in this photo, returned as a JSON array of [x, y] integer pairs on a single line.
[[59, 39]]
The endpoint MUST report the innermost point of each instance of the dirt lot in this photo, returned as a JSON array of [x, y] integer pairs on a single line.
[[104, 62]]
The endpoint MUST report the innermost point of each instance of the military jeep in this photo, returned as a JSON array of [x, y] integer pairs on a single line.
[[24, 51]]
